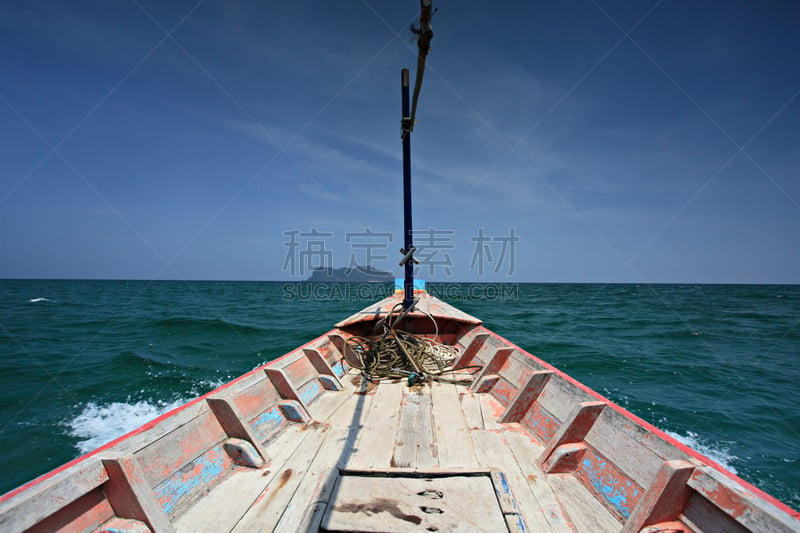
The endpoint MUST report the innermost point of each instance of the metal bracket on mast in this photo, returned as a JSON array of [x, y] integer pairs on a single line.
[[408, 256]]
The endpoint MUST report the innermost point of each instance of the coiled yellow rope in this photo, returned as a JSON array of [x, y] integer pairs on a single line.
[[397, 354]]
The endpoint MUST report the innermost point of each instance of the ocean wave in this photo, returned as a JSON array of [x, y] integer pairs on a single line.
[[98, 424], [714, 451], [35, 300], [183, 324], [129, 360]]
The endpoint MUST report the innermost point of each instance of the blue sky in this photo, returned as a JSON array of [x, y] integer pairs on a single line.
[[619, 141]]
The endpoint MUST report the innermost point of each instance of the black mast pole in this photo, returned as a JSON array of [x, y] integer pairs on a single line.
[[408, 301]]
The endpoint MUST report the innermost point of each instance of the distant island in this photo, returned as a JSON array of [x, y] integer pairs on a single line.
[[357, 274]]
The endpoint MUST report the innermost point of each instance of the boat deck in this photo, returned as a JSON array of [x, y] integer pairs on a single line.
[[400, 436]]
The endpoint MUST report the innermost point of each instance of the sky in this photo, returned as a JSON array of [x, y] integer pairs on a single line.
[[584, 141]]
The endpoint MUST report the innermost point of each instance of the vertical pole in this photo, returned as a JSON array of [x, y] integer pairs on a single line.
[[408, 301]]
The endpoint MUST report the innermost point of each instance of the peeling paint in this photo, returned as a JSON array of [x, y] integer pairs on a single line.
[[338, 368], [203, 471], [541, 422], [486, 383], [328, 383], [267, 423], [291, 410], [309, 391], [503, 391], [619, 492]]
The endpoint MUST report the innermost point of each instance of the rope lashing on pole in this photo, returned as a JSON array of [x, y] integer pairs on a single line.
[[424, 35]]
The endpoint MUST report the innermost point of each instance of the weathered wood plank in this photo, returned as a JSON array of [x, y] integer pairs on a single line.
[[326, 404], [634, 449], [526, 450], [453, 440], [415, 445], [224, 506], [163, 457], [228, 502], [319, 363], [256, 398], [732, 499], [233, 422], [701, 515], [154, 430], [492, 452], [585, 512], [518, 369], [86, 513], [317, 483], [266, 511], [560, 396], [471, 407], [300, 371], [376, 442], [184, 487], [399, 503], [491, 411], [29, 507], [313, 476]]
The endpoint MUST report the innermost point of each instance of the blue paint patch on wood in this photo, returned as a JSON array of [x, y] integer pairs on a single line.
[[292, 411], [267, 423], [609, 484], [199, 474], [310, 391], [504, 483], [487, 383], [338, 368], [328, 383]]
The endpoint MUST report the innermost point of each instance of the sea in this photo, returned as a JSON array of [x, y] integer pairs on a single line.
[[716, 366]]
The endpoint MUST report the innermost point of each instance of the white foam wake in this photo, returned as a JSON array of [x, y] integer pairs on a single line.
[[716, 452], [34, 300], [101, 423]]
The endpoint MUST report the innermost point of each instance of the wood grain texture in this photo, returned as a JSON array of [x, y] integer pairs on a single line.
[[491, 451], [376, 442], [27, 508], [584, 511], [415, 445], [453, 440], [526, 450]]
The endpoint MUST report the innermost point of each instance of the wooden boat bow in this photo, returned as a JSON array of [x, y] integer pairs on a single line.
[[304, 443]]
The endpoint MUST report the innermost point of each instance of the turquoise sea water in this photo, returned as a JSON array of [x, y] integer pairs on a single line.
[[717, 366]]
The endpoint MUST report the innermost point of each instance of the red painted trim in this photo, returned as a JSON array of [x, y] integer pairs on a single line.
[[659, 433]]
